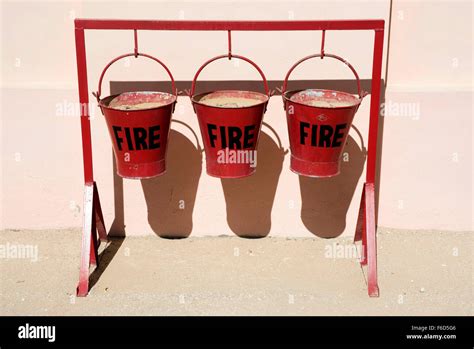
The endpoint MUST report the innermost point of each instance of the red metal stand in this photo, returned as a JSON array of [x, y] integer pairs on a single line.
[[93, 221], [93, 226]]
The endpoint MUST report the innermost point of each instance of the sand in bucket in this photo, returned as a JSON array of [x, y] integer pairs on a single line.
[[222, 99], [325, 98], [140, 100], [216, 99]]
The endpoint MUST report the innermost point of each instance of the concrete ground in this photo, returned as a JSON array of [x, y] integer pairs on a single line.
[[420, 273]]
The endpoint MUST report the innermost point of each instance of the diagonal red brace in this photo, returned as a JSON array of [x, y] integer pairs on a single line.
[[93, 226], [366, 231]]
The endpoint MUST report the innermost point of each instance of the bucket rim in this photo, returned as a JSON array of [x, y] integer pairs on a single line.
[[194, 101], [109, 98], [292, 92]]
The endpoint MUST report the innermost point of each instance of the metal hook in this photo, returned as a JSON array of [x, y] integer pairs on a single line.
[[135, 38], [229, 39], [322, 43]]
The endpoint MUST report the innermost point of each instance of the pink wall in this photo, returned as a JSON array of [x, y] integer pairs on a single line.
[[426, 175]]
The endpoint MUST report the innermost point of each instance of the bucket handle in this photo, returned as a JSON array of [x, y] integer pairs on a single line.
[[174, 91], [361, 93], [229, 56]]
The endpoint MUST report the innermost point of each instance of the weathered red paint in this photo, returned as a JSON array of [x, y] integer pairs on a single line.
[[318, 133], [235, 129], [139, 137]]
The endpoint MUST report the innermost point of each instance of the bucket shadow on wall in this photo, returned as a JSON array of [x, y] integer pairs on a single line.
[[249, 200], [325, 201], [170, 197], [242, 195], [347, 85]]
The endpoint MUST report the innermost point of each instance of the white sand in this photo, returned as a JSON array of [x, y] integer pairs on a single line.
[[230, 102], [329, 103], [319, 99], [138, 106]]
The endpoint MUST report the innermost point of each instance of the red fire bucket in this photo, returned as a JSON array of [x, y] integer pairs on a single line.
[[139, 123], [318, 125], [230, 122]]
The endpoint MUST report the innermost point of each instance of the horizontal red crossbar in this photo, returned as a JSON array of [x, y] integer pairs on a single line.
[[119, 24]]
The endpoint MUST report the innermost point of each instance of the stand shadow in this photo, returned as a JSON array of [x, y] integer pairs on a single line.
[[249, 200], [325, 201], [170, 197], [105, 257]]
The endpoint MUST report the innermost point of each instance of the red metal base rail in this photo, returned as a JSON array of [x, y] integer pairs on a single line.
[[93, 225]]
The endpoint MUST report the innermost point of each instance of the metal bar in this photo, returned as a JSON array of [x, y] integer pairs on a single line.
[[370, 231], [363, 260], [374, 107], [229, 41], [83, 286], [323, 39], [135, 43], [370, 228], [360, 233], [84, 103], [99, 218], [94, 248], [117, 24]]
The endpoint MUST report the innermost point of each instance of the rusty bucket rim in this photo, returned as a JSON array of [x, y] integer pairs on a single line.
[[292, 92], [109, 98], [194, 101]]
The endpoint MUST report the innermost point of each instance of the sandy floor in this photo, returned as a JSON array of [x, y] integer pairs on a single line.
[[419, 273]]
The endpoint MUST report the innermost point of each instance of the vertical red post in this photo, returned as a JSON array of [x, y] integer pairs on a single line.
[[369, 231], [89, 251], [374, 106], [84, 104]]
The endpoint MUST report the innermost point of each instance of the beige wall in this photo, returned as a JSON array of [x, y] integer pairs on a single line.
[[426, 175]]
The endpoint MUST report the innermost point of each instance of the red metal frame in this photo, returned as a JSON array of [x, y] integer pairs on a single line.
[[93, 221]]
